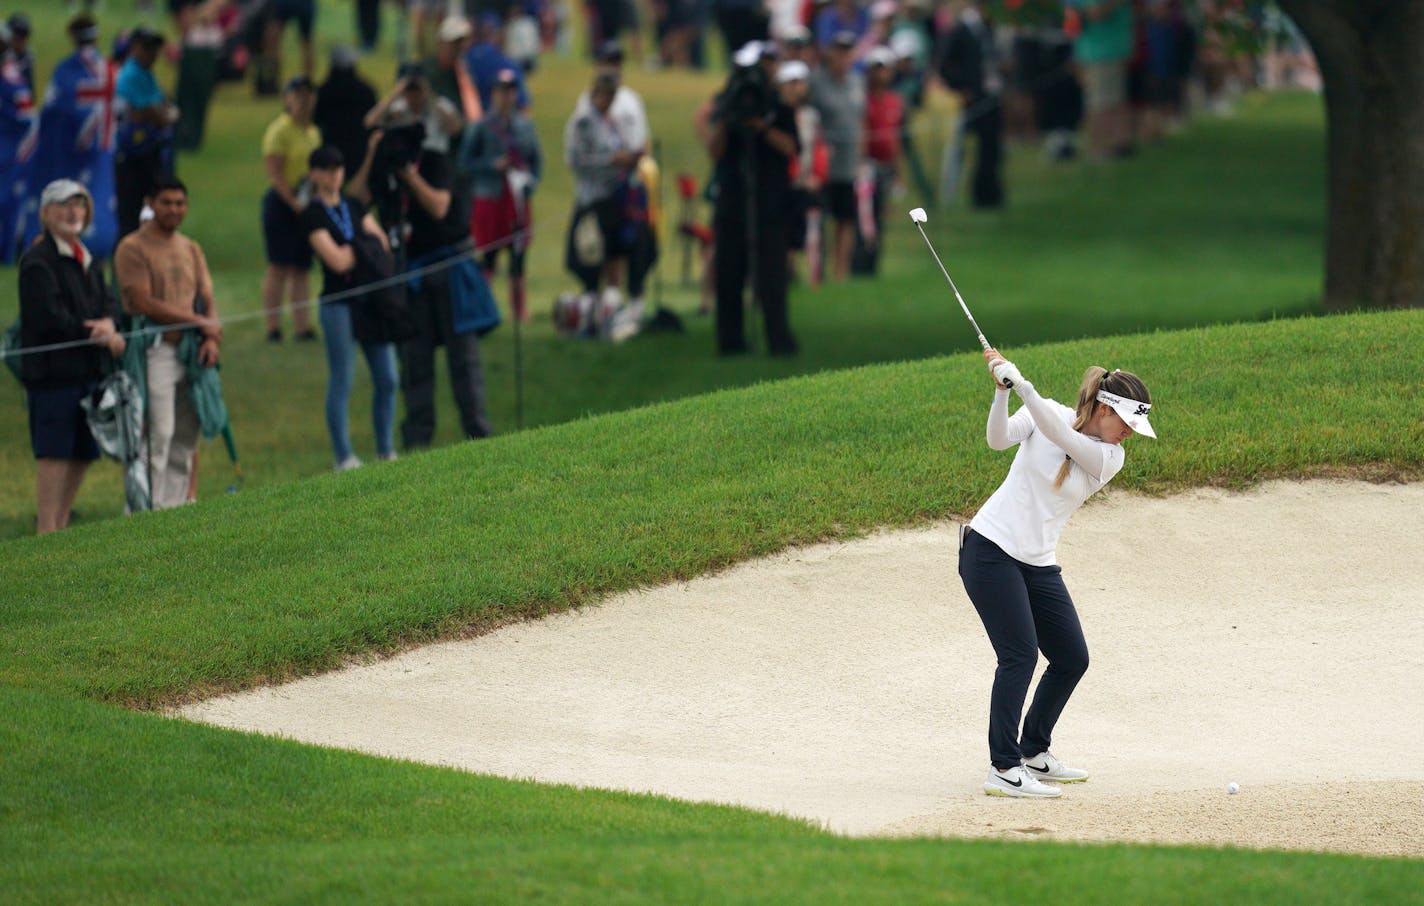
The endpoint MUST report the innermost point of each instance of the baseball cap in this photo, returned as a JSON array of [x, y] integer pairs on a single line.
[[295, 83], [61, 190], [507, 77], [796, 35], [610, 52], [145, 35], [410, 70], [792, 71], [880, 56], [19, 24], [327, 157], [82, 28], [343, 57], [844, 39], [454, 28], [1133, 412]]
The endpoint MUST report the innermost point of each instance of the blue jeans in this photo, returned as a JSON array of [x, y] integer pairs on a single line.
[[341, 363]]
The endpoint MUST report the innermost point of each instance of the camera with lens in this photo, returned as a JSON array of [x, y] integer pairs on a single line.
[[398, 148], [747, 95]]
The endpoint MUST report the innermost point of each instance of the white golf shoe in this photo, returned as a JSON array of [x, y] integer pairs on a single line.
[[1044, 766], [1018, 782]]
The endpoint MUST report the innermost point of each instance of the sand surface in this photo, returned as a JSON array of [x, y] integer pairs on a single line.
[[1274, 638]]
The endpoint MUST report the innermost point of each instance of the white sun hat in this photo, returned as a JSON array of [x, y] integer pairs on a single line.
[[792, 71], [1133, 412]]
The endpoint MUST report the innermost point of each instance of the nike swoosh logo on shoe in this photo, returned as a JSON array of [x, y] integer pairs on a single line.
[[1010, 782]]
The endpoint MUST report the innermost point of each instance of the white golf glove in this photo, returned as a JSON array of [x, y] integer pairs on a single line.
[[1006, 374]]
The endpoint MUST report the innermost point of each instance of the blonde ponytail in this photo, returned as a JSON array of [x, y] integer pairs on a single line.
[[1087, 398], [1122, 383]]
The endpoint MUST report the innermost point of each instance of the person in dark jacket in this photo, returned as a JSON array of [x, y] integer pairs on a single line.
[[63, 299], [969, 65], [341, 104]]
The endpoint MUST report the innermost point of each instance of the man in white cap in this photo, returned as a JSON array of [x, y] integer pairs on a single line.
[[442, 68]]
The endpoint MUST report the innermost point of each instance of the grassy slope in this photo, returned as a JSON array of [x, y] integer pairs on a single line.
[[299, 577]]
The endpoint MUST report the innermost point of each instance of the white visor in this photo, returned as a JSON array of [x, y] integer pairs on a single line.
[[1130, 411]]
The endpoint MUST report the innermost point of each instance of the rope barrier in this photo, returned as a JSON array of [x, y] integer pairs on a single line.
[[442, 264]]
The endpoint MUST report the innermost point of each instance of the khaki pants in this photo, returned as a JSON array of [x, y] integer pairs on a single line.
[[172, 427]]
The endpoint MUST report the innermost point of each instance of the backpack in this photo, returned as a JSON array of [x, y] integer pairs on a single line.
[[381, 315]]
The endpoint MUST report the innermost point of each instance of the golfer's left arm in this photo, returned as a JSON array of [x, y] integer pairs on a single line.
[[1083, 450]]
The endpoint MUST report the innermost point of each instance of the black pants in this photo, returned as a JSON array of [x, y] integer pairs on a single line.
[[368, 23], [730, 265], [987, 126], [1025, 609], [435, 326]]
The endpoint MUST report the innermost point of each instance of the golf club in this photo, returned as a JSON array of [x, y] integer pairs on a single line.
[[919, 217]]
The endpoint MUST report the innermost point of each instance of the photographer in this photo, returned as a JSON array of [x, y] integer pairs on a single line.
[[752, 142], [412, 98], [427, 218]]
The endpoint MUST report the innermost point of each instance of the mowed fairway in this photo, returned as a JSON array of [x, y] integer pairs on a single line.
[[102, 798]]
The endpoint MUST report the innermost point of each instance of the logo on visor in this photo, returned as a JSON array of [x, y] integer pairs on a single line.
[[1142, 409]]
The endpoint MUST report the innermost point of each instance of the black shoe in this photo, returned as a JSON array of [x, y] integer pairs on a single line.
[[306, 336], [274, 336]]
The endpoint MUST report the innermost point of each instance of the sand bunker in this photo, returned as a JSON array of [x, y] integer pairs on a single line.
[[1274, 638]]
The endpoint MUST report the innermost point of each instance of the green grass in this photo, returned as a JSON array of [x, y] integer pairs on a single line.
[[137, 808], [285, 578], [283, 581], [1221, 224]]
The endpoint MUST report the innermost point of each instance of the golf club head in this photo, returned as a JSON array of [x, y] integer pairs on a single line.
[[918, 216]]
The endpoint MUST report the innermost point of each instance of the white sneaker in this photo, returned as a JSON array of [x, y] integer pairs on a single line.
[[1044, 766], [347, 464], [1018, 782], [387, 457]]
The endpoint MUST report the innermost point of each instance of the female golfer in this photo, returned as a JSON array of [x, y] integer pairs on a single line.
[[1008, 559]]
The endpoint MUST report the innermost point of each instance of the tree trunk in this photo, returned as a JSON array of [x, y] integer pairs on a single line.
[[1371, 58]]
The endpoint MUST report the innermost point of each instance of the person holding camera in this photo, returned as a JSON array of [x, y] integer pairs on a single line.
[[426, 216], [413, 98], [752, 143], [335, 223]]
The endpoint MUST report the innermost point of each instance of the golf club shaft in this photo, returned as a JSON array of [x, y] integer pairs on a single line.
[[982, 342]]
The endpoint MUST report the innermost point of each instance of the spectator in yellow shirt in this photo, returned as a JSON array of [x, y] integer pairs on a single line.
[[286, 144]]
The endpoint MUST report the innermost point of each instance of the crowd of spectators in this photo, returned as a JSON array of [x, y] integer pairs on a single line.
[[807, 140]]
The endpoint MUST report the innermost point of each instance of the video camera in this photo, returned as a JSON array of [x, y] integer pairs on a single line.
[[399, 147], [748, 94]]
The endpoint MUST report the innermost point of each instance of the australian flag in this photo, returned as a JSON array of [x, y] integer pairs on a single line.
[[17, 128], [75, 140]]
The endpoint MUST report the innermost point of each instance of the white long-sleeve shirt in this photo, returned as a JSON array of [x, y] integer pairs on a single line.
[[1025, 516]]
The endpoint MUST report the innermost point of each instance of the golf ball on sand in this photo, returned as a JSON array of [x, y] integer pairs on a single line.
[[1233, 787]]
